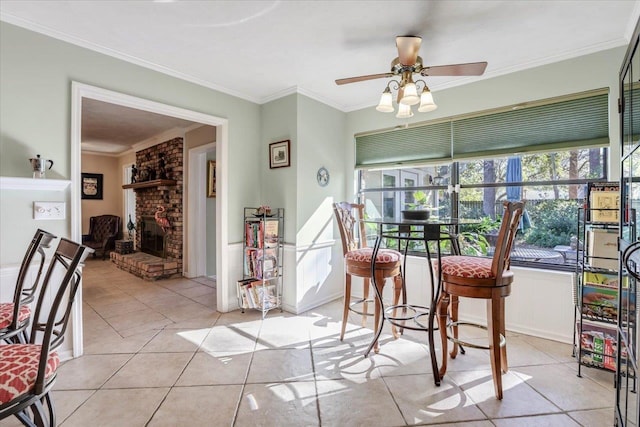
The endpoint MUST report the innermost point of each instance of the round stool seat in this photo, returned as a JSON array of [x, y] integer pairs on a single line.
[[384, 256], [467, 266]]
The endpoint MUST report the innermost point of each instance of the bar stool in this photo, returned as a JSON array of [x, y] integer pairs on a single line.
[[28, 371], [15, 316], [484, 278], [357, 262]]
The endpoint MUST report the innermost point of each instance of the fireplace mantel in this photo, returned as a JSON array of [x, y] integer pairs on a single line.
[[153, 183]]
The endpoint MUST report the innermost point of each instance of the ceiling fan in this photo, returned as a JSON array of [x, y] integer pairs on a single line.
[[408, 62], [406, 65]]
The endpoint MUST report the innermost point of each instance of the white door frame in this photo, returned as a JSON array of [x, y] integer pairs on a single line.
[[81, 90], [196, 264]]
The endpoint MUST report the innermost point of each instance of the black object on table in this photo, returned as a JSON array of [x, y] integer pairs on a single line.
[[432, 230]]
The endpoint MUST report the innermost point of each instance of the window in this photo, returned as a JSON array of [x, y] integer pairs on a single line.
[[553, 184]]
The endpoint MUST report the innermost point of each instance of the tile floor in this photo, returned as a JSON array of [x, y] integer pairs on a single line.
[[158, 354]]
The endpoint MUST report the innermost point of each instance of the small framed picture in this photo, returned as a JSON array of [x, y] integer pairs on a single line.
[[211, 179], [279, 154], [92, 186]]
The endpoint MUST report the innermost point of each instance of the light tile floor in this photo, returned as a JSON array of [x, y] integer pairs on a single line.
[[158, 354]]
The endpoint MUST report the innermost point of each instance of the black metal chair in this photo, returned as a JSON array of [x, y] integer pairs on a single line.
[[28, 371], [15, 316]]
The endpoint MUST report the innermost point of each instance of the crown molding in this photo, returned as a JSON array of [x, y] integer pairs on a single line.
[[77, 41]]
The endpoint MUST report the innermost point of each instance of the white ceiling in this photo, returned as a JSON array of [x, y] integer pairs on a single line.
[[110, 128], [262, 50]]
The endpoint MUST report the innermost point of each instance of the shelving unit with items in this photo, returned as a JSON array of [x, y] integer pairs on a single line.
[[263, 251], [600, 287], [597, 282]]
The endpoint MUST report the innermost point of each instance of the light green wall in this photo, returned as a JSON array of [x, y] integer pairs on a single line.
[[278, 186], [598, 70], [320, 143], [35, 85], [315, 131]]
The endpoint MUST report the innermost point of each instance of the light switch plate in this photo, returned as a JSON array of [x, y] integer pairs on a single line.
[[49, 210]]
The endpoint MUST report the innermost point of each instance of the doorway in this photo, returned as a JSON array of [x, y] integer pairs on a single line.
[[82, 91], [200, 215]]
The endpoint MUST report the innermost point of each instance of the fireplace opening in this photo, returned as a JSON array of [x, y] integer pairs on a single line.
[[152, 238]]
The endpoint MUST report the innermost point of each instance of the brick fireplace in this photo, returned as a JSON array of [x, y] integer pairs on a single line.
[[159, 186]]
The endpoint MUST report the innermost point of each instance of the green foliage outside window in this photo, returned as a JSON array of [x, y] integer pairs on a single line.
[[554, 222]]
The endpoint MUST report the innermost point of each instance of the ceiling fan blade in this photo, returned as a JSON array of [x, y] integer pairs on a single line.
[[469, 69], [408, 47], [363, 78]]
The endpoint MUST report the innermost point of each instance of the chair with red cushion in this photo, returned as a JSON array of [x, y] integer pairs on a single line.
[[484, 278], [357, 262], [15, 316], [28, 371]]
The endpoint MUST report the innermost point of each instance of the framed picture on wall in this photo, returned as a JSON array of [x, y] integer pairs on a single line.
[[211, 179], [279, 154], [92, 186]]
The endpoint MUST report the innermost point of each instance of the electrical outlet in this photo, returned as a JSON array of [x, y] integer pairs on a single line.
[[49, 210]]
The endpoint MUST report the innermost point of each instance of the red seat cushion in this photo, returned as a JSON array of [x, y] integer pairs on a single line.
[[19, 369], [467, 266], [6, 314], [365, 254]]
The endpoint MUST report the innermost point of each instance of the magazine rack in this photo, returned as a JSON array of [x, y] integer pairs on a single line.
[[263, 250], [598, 287]]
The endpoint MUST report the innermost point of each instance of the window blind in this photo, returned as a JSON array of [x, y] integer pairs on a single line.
[[580, 122]]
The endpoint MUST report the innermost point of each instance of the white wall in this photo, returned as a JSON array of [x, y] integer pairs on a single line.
[[211, 229]]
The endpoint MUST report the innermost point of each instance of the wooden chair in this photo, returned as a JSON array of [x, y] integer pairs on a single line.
[[357, 262], [104, 230], [485, 278], [28, 371], [15, 316]]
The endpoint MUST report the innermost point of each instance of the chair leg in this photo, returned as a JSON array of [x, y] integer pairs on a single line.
[[39, 417], [443, 308], [453, 306], [397, 290], [503, 349], [365, 303], [495, 353], [52, 410], [347, 301], [23, 417], [377, 324]]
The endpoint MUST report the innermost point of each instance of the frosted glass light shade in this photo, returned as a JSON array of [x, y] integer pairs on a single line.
[[386, 102], [410, 95], [426, 102], [404, 111]]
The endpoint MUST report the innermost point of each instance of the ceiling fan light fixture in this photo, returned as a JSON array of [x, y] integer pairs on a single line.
[[410, 95], [404, 111], [386, 102], [426, 101]]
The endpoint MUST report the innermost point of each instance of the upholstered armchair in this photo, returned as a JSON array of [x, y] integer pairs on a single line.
[[103, 232]]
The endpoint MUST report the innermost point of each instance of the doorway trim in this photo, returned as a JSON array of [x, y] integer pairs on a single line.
[[196, 264], [81, 90]]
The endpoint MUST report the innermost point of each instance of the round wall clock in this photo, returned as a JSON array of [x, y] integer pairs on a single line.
[[323, 177]]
